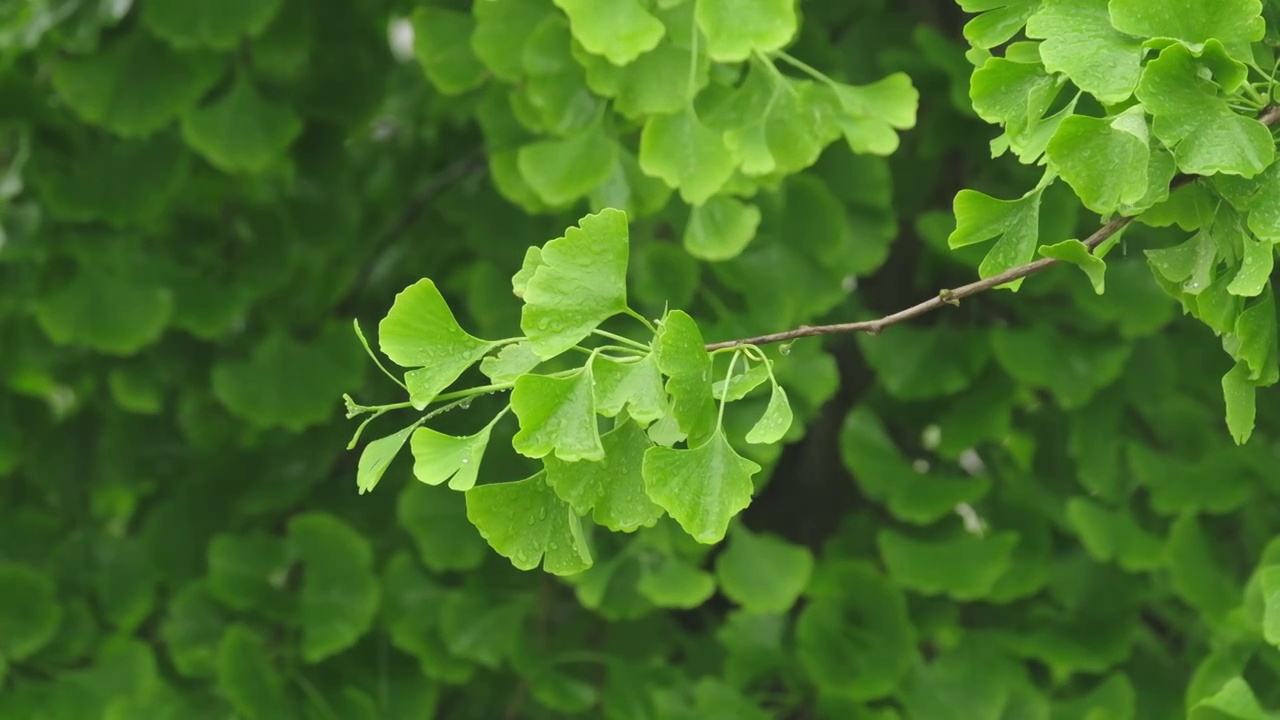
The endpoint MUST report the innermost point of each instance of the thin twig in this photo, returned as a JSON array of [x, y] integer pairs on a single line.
[[1270, 117]]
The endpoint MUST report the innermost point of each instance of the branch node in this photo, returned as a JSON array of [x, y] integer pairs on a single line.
[[948, 297]]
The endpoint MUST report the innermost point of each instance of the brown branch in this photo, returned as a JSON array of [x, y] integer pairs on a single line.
[[953, 296]]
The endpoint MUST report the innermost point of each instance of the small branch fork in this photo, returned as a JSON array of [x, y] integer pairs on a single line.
[[1270, 117]]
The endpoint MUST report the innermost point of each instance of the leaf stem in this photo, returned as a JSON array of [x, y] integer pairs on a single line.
[[725, 395], [622, 339], [805, 68], [644, 320]]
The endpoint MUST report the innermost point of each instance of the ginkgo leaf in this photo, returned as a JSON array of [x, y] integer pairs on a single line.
[[1016, 223], [511, 362], [775, 124], [997, 20], [247, 677], [612, 488], [964, 567], [740, 384], [557, 414], [686, 154], [872, 113], [1122, 140], [135, 85], [683, 358], [561, 170], [1080, 42], [763, 573], [621, 30], [442, 44], [1255, 268], [501, 29], [528, 524], [1075, 252], [577, 282], [438, 457], [240, 131], [735, 29], [421, 332], [776, 420], [670, 582], [287, 383], [702, 487], [218, 24], [1235, 23], [720, 228], [339, 596], [377, 456], [29, 611], [106, 311], [637, 386]]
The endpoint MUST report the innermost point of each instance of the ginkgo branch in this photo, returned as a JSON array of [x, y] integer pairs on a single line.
[[952, 296]]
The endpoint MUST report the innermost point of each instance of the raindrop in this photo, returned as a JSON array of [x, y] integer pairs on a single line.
[[542, 514], [555, 546], [532, 521], [466, 460]]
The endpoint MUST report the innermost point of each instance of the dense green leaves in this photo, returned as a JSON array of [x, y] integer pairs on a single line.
[[1022, 507]]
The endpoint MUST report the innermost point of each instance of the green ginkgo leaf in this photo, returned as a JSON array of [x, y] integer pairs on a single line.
[[106, 311], [670, 582], [620, 30], [611, 488], [561, 170], [702, 487], [218, 24], [511, 362], [29, 611], [247, 677], [871, 114], [528, 524], [1016, 223], [683, 358], [557, 415], [720, 228], [135, 85], [686, 154], [763, 573], [577, 281], [997, 20], [1122, 140], [442, 44], [635, 385], [1075, 252], [776, 421], [340, 593], [964, 567], [240, 131], [737, 29], [438, 457], [421, 332], [376, 456], [1235, 23], [1080, 42]]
